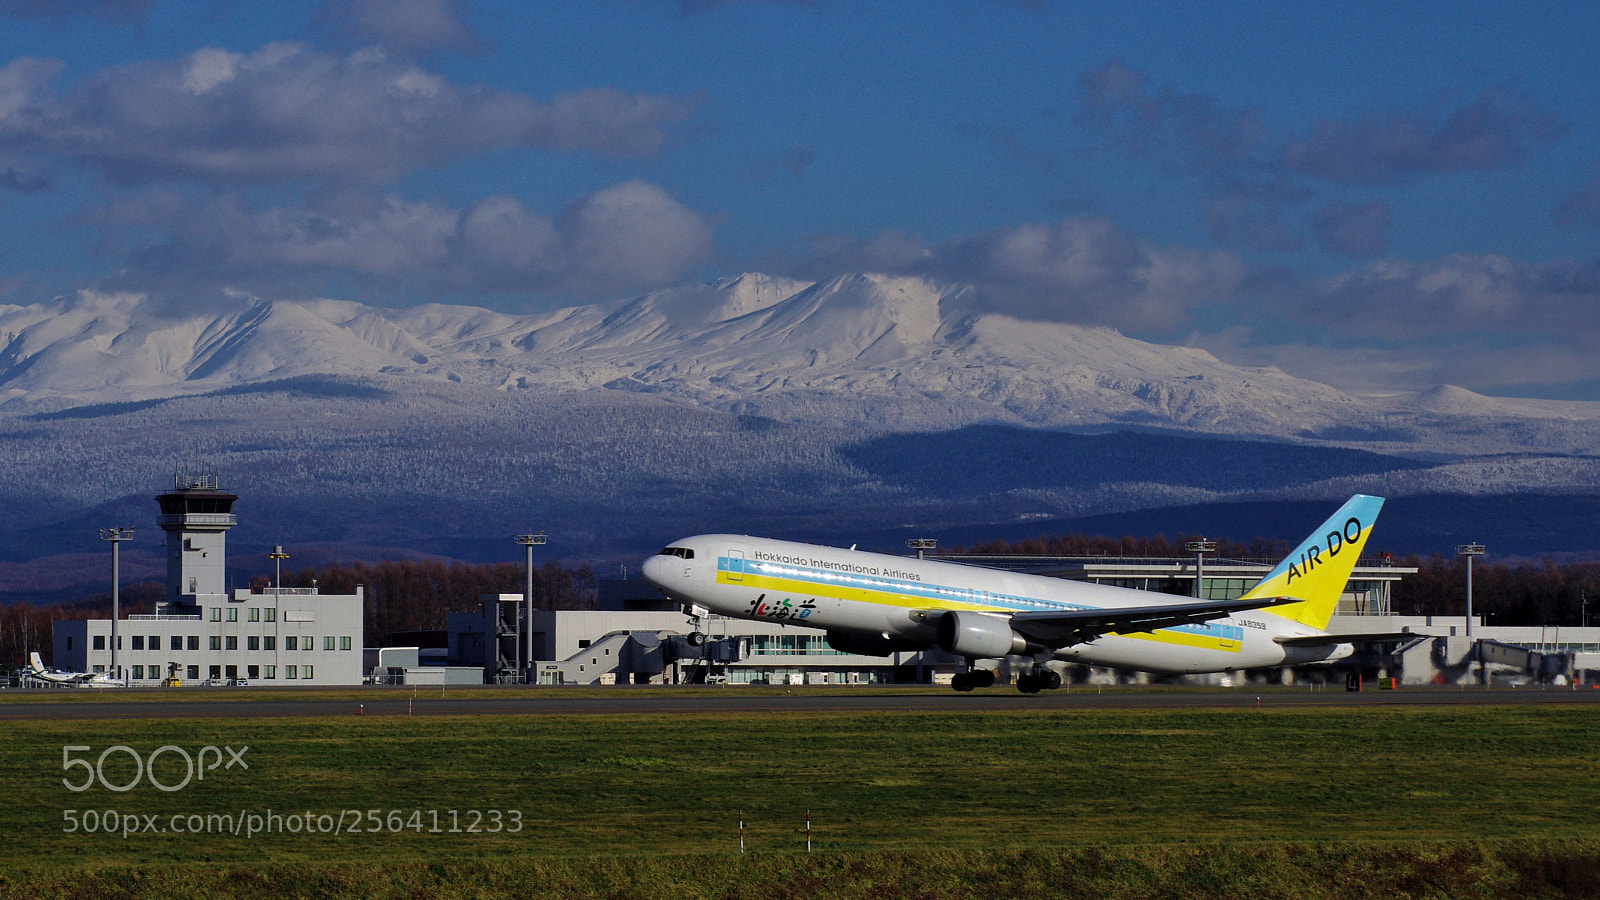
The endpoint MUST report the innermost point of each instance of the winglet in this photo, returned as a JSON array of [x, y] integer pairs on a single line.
[[1319, 568]]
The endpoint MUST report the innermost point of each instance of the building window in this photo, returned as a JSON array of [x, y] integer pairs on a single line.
[[99, 642], [138, 671], [288, 672], [233, 642], [155, 643], [272, 614], [305, 672], [216, 671], [327, 642], [252, 671], [216, 642], [100, 669], [194, 641], [138, 642], [233, 614], [289, 644], [176, 642], [344, 643], [269, 672], [216, 614], [255, 616], [193, 673], [271, 642], [252, 643], [69, 643]]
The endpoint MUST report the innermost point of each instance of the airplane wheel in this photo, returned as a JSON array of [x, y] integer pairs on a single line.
[[1027, 684], [983, 678], [697, 639], [962, 682], [1049, 679]]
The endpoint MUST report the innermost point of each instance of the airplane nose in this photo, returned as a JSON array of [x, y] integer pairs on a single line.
[[654, 570]]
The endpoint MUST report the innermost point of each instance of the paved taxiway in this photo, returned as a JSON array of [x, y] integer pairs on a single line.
[[675, 701]]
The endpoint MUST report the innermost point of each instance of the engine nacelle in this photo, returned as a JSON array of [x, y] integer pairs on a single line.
[[871, 644], [978, 636]]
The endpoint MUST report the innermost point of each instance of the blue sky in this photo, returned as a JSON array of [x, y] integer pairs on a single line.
[[1381, 196]]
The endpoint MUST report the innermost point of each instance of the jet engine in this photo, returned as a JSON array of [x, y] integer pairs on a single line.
[[978, 636], [871, 644]]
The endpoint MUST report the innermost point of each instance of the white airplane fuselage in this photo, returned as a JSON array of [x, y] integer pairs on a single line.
[[881, 604]]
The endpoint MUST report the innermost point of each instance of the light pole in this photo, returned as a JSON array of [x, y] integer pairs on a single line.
[[1200, 548], [922, 545], [1469, 551], [529, 541], [116, 536], [278, 556]]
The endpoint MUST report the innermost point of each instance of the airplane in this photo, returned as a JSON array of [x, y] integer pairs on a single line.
[[74, 679], [877, 604]]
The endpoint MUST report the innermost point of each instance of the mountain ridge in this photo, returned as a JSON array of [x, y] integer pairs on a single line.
[[877, 350]]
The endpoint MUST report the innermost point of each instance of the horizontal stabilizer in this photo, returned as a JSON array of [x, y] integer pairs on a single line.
[[1062, 629]]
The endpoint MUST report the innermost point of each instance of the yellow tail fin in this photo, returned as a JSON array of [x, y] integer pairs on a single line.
[[1319, 569]]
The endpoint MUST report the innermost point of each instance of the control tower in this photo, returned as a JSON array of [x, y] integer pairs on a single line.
[[196, 516]]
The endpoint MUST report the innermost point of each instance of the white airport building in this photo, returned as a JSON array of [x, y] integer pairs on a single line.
[[202, 632]]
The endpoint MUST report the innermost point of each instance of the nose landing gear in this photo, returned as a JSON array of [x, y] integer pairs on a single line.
[[697, 638]]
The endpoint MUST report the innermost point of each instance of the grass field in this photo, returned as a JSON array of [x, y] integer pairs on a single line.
[[1473, 801]]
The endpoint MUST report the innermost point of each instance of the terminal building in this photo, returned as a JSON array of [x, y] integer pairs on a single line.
[[202, 631]]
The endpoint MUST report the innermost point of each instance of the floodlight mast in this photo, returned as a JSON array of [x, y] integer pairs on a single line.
[[278, 556], [116, 536], [1200, 548], [1469, 551], [529, 541]]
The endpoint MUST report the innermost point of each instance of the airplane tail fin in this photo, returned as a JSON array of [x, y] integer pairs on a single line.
[[35, 664], [1319, 568]]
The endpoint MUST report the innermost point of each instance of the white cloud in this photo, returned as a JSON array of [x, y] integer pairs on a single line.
[[1460, 292], [289, 112], [630, 236], [407, 26]]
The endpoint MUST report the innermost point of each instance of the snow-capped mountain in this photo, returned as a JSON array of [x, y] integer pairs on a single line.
[[893, 351]]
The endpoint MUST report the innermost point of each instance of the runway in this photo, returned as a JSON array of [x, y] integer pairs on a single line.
[[741, 702]]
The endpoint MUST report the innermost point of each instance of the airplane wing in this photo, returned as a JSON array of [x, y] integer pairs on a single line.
[[1063, 629], [1329, 640]]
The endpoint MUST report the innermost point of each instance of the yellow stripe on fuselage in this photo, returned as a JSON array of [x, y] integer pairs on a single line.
[[798, 588]]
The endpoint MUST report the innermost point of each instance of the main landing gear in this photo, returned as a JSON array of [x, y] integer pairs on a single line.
[[972, 678], [1042, 678]]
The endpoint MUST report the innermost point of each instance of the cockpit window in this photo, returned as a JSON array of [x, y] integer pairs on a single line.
[[679, 552]]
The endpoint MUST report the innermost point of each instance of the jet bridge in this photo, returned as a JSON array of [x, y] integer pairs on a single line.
[[1537, 664]]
